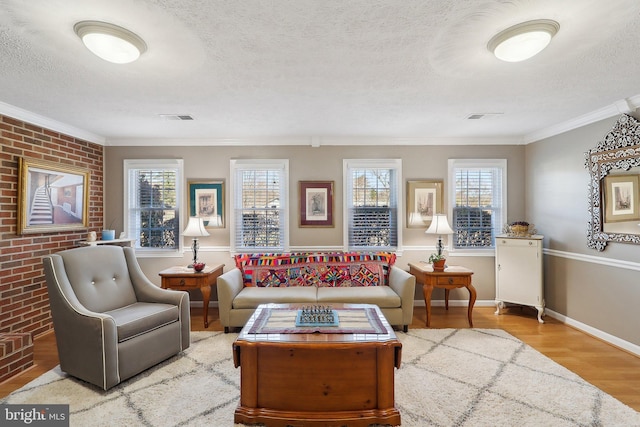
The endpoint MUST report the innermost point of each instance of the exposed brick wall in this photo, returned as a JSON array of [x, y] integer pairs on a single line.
[[16, 354], [24, 304]]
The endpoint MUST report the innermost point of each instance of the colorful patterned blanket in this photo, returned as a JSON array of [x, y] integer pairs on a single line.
[[335, 269]]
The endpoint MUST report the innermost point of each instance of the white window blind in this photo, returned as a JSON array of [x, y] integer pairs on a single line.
[[479, 201], [260, 205], [372, 197], [152, 199]]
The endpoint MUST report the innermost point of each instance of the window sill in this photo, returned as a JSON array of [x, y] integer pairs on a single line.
[[489, 252]]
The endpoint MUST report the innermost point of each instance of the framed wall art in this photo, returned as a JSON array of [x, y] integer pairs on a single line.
[[316, 203], [51, 197], [621, 198], [206, 201], [424, 199]]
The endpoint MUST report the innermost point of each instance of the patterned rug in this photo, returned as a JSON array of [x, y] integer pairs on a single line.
[[449, 377]]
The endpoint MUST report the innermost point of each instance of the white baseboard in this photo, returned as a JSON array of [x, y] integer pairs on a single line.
[[456, 303], [611, 339], [199, 304], [416, 303]]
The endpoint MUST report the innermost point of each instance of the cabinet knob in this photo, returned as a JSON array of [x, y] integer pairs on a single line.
[[451, 280], [181, 282]]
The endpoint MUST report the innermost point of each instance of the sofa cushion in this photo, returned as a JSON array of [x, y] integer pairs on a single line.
[[251, 264], [331, 269], [142, 317], [251, 297], [279, 276], [382, 296]]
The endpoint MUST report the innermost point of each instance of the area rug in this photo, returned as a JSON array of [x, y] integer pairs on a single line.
[[448, 377]]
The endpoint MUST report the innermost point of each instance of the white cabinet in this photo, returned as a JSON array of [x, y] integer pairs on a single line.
[[519, 274]]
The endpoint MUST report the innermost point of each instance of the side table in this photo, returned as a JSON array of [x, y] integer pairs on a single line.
[[184, 278], [452, 277]]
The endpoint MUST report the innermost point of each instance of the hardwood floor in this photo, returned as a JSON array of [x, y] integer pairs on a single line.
[[603, 365]]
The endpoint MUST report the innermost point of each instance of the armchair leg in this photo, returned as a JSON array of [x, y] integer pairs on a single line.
[[405, 328], [226, 329]]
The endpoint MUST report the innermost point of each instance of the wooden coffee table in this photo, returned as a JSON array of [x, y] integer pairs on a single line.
[[328, 379]]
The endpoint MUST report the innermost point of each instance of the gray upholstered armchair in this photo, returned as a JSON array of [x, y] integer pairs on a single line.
[[111, 322]]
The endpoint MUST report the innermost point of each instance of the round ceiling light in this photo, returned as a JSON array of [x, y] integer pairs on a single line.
[[110, 42], [522, 41]]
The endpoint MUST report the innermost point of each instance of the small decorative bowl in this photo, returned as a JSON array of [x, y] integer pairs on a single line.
[[198, 266]]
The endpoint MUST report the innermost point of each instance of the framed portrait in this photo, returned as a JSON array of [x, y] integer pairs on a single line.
[[424, 199], [206, 201], [621, 198], [316, 203], [51, 197]]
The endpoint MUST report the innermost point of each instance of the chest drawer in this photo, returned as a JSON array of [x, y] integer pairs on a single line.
[[172, 282], [453, 280]]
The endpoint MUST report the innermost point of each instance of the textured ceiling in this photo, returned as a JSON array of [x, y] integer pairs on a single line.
[[324, 70]]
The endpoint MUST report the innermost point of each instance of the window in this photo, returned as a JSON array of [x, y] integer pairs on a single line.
[[372, 192], [478, 191], [153, 192], [259, 216]]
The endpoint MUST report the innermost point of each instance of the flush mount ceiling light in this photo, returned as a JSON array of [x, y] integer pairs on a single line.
[[110, 42], [522, 41]]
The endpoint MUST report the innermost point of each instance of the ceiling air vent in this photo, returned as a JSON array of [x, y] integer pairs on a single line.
[[176, 116], [478, 116]]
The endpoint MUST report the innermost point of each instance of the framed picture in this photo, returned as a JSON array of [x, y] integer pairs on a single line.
[[316, 203], [51, 197], [621, 198], [424, 199], [206, 200]]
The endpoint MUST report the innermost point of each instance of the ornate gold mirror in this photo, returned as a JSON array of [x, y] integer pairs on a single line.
[[614, 193]]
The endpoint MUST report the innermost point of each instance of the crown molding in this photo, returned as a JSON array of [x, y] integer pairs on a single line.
[[623, 106], [47, 123], [313, 141]]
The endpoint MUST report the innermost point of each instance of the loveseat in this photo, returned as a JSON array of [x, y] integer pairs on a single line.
[[315, 278]]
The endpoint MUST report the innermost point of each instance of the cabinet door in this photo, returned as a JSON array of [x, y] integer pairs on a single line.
[[519, 271]]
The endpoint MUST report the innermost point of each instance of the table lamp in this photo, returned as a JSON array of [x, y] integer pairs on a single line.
[[195, 228], [439, 225]]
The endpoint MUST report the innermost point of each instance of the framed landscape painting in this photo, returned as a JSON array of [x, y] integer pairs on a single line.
[[316, 203], [51, 197], [424, 199], [206, 201]]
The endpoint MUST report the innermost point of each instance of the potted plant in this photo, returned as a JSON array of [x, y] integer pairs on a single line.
[[438, 261]]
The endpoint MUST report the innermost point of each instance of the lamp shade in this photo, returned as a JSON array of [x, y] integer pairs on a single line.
[[213, 221], [439, 225], [195, 228], [415, 219]]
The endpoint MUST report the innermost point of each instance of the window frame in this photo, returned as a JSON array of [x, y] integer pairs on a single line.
[[350, 164], [178, 165], [454, 164], [259, 164]]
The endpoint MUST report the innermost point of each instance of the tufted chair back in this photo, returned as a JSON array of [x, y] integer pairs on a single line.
[[99, 277]]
